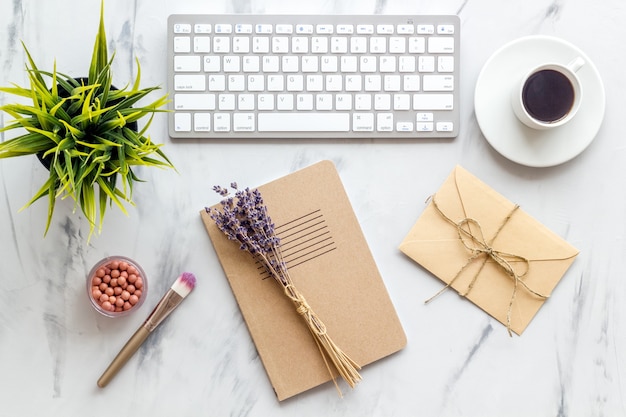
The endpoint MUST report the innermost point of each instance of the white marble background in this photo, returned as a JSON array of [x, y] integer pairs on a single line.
[[459, 362]]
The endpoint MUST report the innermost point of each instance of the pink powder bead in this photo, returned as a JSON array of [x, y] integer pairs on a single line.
[[133, 299]]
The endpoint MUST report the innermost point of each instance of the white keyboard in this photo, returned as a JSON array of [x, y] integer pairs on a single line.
[[313, 76]]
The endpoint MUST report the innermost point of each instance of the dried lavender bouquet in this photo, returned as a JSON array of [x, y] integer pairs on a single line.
[[244, 218]]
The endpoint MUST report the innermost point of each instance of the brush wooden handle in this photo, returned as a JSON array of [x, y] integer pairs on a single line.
[[122, 357]]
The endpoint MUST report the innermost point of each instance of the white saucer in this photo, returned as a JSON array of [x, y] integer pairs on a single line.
[[502, 129]]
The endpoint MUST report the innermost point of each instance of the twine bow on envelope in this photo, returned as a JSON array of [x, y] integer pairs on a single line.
[[471, 235]]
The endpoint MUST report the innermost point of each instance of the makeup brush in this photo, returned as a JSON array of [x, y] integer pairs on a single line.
[[172, 298]]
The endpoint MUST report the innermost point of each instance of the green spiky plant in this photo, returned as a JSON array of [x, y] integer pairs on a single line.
[[85, 131]]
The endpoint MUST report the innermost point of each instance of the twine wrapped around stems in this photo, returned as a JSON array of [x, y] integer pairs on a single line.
[[244, 218], [479, 247]]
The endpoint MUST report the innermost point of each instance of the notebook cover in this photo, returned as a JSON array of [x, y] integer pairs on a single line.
[[330, 264]]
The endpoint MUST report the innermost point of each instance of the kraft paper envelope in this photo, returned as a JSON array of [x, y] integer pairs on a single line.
[[330, 264], [536, 255]]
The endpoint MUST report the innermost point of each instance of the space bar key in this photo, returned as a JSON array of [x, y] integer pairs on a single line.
[[303, 122]]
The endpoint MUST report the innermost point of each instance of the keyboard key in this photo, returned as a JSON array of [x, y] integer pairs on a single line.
[[264, 28], [345, 29], [384, 29], [363, 122], [185, 63], [202, 44], [433, 101], [445, 64], [284, 102], [241, 44], [182, 44], [182, 28], [445, 29], [189, 82], [212, 64], [324, 29], [226, 102], [440, 45], [445, 126], [424, 126], [404, 127], [223, 28], [438, 82], [202, 122], [384, 122], [405, 29], [243, 122], [221, 44], [221, 122], [284, 29], [306, 122], [202, 28], [241, 28], [304, 29], [365, 29], [260, 45], [194, 101], [425, 29], [182, 122], [324, 102]]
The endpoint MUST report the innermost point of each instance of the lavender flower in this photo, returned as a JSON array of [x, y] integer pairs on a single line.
[[245, 218]]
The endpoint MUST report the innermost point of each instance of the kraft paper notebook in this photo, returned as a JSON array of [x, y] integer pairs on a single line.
[[330, 263]]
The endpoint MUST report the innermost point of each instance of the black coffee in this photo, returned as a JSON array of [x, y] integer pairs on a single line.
[[548, 95]]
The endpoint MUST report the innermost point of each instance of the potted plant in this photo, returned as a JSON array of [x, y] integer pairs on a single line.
[[84, 130]]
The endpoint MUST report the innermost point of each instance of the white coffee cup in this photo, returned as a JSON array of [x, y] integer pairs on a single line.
[[549, 95]]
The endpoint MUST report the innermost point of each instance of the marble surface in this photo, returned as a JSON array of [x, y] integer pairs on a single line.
[[571, 361]]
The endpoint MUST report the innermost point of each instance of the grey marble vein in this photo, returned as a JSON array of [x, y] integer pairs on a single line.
[[9, 210], [380, 6], [456, 376], [13, 31]]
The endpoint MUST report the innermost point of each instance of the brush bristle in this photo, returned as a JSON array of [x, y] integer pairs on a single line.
[[184, 284]]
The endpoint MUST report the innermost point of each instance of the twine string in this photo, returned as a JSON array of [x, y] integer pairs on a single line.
[[471, 234], [345, 366]]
